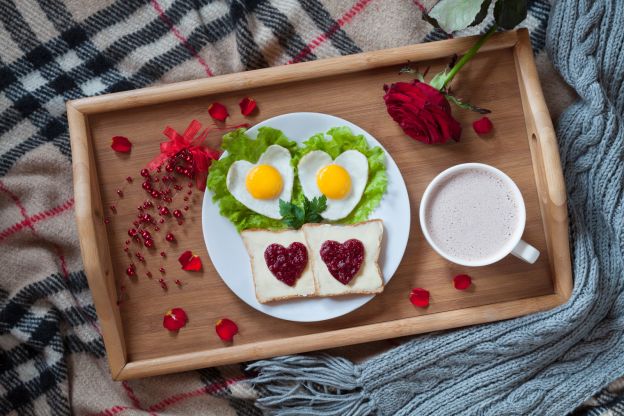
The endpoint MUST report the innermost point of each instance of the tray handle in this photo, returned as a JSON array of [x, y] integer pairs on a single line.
[[547, 166], [94, 239]]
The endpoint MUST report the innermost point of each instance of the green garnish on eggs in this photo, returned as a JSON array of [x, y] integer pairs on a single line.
[[294, 216]]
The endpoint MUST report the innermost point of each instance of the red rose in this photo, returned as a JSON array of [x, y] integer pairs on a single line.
[[423, 112]]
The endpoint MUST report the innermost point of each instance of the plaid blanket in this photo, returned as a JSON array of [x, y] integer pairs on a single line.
[[53, 359]]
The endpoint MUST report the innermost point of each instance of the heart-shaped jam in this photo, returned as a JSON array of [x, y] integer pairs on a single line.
[[286, 264], [343, 260]]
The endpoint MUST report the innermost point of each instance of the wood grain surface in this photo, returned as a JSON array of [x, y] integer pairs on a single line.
[[522, 144]]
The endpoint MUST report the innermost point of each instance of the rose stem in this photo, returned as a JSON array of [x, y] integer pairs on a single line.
[[469, 55]]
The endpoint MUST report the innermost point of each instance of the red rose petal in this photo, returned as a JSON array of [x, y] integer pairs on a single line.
[[482, 126], [419, 297], [226, 329], [190, 262], [247, 106], [121, 144], [462, 281], [175, 319], [218, 111]]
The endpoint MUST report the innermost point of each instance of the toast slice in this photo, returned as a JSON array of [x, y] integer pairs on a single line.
[[268, 287], [368, 279]]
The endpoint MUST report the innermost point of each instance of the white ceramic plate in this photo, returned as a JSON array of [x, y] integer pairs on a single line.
[[230, 258]]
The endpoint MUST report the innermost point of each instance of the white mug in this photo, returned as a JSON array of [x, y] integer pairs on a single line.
[[514, 245]]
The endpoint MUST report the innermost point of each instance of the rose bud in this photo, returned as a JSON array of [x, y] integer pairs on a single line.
[[423, 112]]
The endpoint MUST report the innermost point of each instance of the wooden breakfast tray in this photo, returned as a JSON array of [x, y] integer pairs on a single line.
[[502, 77]]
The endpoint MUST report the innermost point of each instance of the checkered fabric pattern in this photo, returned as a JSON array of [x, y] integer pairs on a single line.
[[53, 359]]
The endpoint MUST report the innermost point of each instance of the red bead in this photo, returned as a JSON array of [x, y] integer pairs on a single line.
[[130, 271], [186, 208], [147, 204], [125, 249], [177, 187], [180, 222], [190, 184], [120, 193], [170, 237], [127, 242], [164, 211], [177, 213], [157, 228], [178, 282], [155, 194], [113, 209], [129, 179], [147, 185], [189, 192], [149, 274], [159, 168], [156, 179], [169, 167], [162, 270], [186, 198], [132, 232], [145, 173], [162, 220], [135, 223], [161, 280], [149, 243], [162, 254]]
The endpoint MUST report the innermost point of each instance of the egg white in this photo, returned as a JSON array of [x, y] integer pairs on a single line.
[[354, 162], [276, 156]]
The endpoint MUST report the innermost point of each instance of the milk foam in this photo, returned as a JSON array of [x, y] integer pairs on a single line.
[[471, 215]]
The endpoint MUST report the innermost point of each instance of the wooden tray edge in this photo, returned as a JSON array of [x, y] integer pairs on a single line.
[[286, 73], [91, 229], [547, 166], [343, 337]]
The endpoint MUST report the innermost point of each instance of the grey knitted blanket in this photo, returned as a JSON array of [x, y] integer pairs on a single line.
[[542, 364]]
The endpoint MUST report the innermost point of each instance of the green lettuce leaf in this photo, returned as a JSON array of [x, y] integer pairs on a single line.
[[241, 147], [343, 139]]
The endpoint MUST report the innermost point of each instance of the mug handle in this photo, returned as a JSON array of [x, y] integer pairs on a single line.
[[526, 252]]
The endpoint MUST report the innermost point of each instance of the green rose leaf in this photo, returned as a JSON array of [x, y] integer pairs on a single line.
[[454, 15], [509, 13]]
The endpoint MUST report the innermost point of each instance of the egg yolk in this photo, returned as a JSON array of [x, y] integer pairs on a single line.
[[264, 182], [333, 181]]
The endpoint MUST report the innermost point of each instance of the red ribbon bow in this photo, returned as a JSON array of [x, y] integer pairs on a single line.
[[202, 154]]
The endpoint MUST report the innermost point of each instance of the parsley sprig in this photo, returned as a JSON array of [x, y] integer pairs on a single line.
[[295, 216]]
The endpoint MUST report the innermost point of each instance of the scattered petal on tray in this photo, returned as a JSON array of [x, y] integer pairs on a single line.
[[226, 329], [247, 106], [482, 126], [419, 297], [218, 111], [175, 319], [190, 262], [462, 281], [121, 144]]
